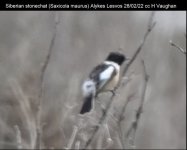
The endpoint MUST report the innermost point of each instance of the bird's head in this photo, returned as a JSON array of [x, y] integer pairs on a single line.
[[116, 57]]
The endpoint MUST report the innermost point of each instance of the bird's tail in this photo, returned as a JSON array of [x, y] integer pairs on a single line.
[[87, 106]]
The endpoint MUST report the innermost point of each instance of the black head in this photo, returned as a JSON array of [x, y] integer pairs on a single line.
[[116, 57]]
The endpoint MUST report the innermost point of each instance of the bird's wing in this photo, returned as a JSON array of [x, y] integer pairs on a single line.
[[102, 74]]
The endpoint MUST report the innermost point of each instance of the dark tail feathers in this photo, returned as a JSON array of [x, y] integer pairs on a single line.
[[87, 105]]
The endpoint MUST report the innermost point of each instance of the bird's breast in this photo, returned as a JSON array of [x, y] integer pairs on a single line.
[[112, 83]]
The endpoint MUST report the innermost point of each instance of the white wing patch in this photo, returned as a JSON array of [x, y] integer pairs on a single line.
[[106, 75]]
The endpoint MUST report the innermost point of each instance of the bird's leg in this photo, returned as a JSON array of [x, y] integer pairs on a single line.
[[113, 92]]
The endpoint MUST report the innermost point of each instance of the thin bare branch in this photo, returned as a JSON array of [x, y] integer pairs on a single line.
[[178, 47], [18, 137], [25, 109], [72, 139], [151, 25], [133, 127], [77, 145], [102, 119], [109, 139], [100, 139], [121, 118], [41, 90]]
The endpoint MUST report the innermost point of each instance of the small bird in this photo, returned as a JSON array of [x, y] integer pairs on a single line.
[[104, 77]]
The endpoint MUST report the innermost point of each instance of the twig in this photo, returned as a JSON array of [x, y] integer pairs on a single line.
[[134, 125], [100, 139], [151, 25], [18, 137], [73, 136], [77, 145], [108, 133], [41, 90], [121, 118], [25, 109], [178, 47], [109, 139], [102, 119]]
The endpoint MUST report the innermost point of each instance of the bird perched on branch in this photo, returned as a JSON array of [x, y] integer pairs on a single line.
[[104, 77]]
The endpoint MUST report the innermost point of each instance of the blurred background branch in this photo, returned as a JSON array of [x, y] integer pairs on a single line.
[[41, 90], [18, 137], [177, 47], [151, 24], [134, 125]]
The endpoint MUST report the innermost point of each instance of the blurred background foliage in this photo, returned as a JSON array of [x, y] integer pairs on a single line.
[[83, 40]]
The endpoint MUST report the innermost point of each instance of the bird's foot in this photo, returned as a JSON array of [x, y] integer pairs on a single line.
[[113, 92]]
